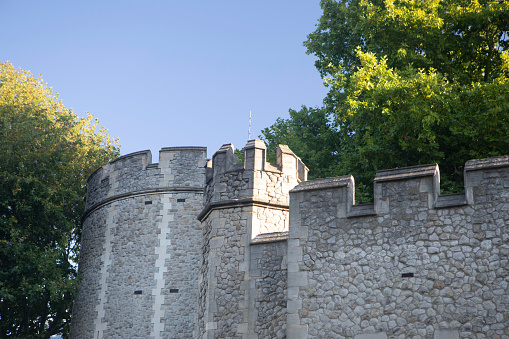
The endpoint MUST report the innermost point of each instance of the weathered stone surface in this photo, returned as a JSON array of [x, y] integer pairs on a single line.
[[243, 277], [141, 247], [416, 268], [273, 256]]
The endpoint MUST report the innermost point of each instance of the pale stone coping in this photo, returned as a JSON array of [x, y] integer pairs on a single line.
[[231, 203], [269, 237], [361, 210], [224, 148], [184, 148], [480, 164], [132, 155], [113, 198], [319, 184], [449, 200], [255, 143], [406, 173]]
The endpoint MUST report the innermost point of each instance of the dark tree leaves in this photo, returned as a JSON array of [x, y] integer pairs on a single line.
[[47, 155]]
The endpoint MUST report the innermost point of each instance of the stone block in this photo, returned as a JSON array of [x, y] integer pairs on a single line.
[[380, 335], [297, 279], [446, 334]]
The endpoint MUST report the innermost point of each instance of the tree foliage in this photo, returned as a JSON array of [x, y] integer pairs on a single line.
[[310, 133], [47, 154], [461, 39], [413, 82], [393, 118]]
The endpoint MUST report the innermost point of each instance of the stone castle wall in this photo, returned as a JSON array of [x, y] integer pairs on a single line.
[[253, 250], [412, 265]]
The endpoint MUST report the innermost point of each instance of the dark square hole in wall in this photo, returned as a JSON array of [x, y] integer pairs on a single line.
[[138, 292], [174, 290], [148, 202], [407, 275], [181, 200]]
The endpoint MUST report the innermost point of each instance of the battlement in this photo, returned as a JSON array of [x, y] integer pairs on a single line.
[[426, 182], [179, 168], [228, 180], [411, 241], [225, 160]]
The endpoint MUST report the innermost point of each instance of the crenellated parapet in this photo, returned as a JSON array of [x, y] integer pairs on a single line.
[[178, 169], [253, 181], [414, 259], [421, 183]]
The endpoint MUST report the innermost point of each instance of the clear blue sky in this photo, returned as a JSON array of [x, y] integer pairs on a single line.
[[169, 73]]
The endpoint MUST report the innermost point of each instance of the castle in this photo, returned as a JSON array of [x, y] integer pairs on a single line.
[[197, 248]]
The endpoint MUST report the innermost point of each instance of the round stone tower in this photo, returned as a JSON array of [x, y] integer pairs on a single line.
[[141, 247]]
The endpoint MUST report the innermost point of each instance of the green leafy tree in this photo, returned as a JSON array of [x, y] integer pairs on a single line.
[[47, 153], [413, 82], [311, 134], [463, 40], [394, 118]]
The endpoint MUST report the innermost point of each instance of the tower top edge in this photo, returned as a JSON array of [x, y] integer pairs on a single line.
[[183, 148]]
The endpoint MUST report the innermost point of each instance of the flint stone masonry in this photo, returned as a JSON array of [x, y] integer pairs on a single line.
[[223, 249], [346, 273]]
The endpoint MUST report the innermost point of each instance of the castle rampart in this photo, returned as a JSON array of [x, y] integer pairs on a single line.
[[413, 264], [193, 249]]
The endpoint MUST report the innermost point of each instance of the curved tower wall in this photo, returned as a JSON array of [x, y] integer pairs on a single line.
[[141, 246]]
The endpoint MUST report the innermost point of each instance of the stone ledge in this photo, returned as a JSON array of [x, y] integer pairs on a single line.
[[231, 203], [318, 184], [361, 210], [451, 200], [269, 237], [406, 173], [495, 162]]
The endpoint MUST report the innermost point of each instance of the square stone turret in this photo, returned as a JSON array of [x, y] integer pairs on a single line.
[[256, 179], [245, 216]]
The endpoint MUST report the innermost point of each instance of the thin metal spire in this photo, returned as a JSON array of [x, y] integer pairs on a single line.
[[249, 132]]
